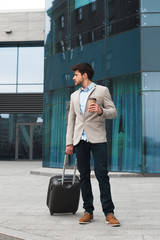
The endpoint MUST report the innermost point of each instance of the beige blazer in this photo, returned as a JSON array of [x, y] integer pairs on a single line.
[[92, 123]]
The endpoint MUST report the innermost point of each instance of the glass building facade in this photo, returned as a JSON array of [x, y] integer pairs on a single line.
[[21, 69], [120, 39], [21, 100]]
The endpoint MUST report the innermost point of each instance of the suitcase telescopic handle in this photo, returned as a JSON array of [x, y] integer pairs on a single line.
[[64, 168]]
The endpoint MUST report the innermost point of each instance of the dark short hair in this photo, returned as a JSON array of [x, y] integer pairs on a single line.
[[84, 68]]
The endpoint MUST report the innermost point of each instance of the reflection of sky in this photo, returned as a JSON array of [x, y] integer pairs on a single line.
[[4, 115], [47, 19], [80, 3], [22, 4]]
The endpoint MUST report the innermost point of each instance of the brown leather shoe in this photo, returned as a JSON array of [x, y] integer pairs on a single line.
[[112, 220], [87, 217]]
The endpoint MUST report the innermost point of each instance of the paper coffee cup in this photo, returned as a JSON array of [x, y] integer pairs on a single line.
[[91, 100]]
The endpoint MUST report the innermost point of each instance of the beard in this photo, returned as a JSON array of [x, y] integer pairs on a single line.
[[78, 83]]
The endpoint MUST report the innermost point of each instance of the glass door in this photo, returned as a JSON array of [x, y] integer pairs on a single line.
[[28, 141], [37, 142]]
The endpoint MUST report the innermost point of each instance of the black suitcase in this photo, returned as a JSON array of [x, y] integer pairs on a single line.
[[64, 192]]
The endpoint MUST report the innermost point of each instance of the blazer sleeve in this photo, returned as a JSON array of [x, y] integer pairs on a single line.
[[71, 124], [109, 110]]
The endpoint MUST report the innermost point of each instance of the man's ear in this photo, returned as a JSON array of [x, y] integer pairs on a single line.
[[85, 75]]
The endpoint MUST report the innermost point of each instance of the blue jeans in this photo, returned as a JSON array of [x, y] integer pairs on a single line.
[[99, 151]]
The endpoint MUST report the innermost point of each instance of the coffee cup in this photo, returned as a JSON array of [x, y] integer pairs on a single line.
[[91, 100]]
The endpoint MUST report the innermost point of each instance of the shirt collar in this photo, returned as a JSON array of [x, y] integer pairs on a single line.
[[88, 88]]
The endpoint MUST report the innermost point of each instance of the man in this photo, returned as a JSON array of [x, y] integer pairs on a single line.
[[85, 133]]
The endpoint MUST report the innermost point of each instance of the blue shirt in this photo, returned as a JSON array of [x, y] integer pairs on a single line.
[[82, 100]]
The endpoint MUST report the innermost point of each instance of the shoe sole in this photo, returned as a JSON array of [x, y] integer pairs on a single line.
[[86, 222], [113, 225]]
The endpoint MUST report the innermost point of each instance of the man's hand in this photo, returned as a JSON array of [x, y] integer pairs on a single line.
[[69, 149], [93, 107]]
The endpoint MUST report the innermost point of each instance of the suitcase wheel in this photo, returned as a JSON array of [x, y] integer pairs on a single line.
[[74, 212]]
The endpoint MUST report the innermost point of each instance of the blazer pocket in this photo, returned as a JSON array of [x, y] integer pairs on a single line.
[[99, 119]]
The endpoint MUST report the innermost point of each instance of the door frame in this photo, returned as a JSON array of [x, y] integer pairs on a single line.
[[31, 140]]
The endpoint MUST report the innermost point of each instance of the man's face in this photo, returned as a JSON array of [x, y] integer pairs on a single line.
[[78, 78]]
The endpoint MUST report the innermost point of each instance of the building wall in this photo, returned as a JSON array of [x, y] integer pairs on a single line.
[[22, 26], [150, 68], [21, 84], [124, 53]]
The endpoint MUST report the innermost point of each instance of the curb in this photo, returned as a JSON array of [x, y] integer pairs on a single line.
[[54, 171]]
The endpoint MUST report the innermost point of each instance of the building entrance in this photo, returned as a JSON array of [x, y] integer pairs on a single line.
[[28, 141]]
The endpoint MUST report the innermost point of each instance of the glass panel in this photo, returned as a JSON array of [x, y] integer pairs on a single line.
[[31, 64], [58, 127], [123, 53], [58, 27], [119, 9], [8, 65], [23, 141], [150, 50], [47, 129], [37, 142], [151, 130], [88, 37], [150, 19], [82, 3], [30, 88], [58, 72], [7, 136], [151, 81], [87, 17], [8, 88], [150, 6], [29, 118], [123, 25], [126, 128]]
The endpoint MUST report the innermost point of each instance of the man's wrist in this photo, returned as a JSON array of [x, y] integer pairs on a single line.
[[101, 112]]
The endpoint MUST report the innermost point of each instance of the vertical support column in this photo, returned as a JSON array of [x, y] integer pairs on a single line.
[[31, 143], [16, 143]]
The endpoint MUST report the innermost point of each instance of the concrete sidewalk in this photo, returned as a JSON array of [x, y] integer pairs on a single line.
[[24, 214]]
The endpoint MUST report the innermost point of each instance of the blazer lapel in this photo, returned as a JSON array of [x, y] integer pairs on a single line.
[[93, 88], [77, 103]]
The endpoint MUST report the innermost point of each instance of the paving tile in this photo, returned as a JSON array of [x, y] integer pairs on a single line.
[[23, 210]]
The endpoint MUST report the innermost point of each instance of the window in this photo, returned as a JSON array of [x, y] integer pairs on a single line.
[[93, 6], [79, 14], [21, 69], [150, 6], [150, 19], [8, 65], [62, 21], [30, 69]]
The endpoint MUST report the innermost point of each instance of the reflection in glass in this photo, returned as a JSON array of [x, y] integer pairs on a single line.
[[87, 22], [31, 64], [151, 81], [123, 25], [8, 88], [8, 65], [7, 136], [70, 29], [121, 9], [55, 127], [150, 19], [126, 128], [37, 142], [30, 88], [82, 3], [150, 6], [151, 130], [28, 118], [23, 142]]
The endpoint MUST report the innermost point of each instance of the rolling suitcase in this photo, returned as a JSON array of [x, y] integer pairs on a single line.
[[64, 192]]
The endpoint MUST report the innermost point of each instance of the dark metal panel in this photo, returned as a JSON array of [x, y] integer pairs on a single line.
[[21, 103]]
